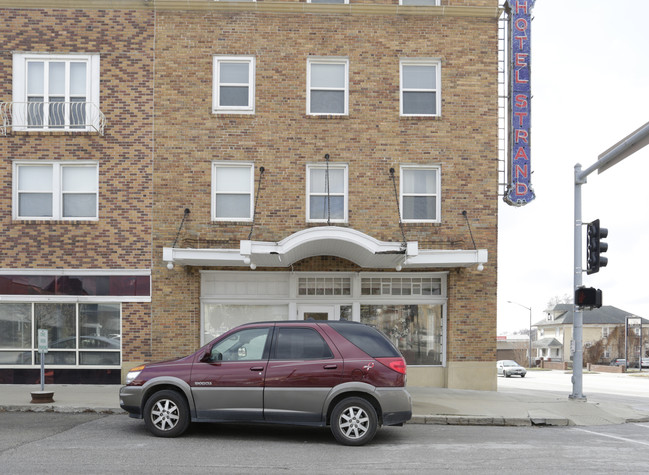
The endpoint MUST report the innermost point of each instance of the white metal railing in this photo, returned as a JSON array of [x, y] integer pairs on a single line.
[[51, 116]]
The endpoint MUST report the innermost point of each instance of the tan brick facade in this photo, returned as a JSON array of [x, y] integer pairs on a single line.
[[159, 62]]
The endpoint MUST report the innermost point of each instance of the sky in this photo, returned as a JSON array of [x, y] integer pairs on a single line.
[[590, 89]]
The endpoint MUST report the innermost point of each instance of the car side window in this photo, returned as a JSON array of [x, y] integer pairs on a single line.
[[244, 345], [300, 344]]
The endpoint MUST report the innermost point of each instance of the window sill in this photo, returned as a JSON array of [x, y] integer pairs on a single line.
[[420, 117], [64, 133], [241, 113], [56, 222], [327, 116]]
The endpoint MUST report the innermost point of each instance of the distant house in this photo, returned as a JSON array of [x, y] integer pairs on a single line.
[[514, 347], [603, 335]]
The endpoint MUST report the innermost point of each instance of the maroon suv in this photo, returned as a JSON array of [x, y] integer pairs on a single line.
[[341, 374]]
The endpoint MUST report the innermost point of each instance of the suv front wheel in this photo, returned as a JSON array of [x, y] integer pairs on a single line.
[[354, 421], [166, 414]]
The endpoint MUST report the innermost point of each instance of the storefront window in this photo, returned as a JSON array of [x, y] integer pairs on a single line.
[[15, 333], [417, 330], [219, 318], [78, 334]]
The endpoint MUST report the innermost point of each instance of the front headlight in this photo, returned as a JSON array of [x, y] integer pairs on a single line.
[[134, 373]]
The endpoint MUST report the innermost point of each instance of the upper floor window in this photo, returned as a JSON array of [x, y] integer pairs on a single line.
[[56, 92], [327, 86], [420, 193], [234, 84], [420, 87], [232, 187], [327, 193], [56, 190], [419, 2]]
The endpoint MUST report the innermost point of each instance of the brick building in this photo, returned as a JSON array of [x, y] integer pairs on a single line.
[[258, 161]]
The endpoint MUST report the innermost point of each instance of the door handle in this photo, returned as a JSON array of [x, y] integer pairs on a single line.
[[257, 368], [330, 366]]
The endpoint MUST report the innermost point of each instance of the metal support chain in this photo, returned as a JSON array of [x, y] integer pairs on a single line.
[[396, 197], [254, 211]]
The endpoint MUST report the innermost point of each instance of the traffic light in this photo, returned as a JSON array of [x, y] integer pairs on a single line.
[[595, 247], [588, 297]]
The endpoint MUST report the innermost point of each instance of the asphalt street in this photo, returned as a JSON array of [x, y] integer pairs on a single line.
[[92, 443]]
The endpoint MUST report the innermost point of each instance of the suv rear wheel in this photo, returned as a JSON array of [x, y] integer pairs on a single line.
[[166, 414], [354, 421]]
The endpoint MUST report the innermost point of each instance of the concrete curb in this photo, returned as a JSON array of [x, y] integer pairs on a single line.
[[61, 409], [431, 419]]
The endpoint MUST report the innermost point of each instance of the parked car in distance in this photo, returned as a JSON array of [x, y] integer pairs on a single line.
[[509, 367], [618, 362], [345, 375], [645, 362]]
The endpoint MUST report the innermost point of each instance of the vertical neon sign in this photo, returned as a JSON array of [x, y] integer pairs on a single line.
[[519, 187]]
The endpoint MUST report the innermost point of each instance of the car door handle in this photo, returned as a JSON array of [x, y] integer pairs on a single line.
[[330, 366], [257, 368]]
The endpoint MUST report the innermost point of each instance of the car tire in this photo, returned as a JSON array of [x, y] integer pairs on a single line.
[[354, 421], [166, 414], [522, 375], [505, 374]]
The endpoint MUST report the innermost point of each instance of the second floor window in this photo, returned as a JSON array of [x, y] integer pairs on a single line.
[[327, 193], [420, 194], [234, 85], [56, 190], [56, 92], [327, 86], [232, 187]]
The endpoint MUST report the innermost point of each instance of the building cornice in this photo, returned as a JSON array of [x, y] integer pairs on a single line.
[[259, 7]]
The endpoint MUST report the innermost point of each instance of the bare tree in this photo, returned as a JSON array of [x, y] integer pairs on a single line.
[[558, 299]]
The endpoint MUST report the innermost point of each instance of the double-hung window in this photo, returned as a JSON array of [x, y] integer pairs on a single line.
[[326, 193], [327, 86], [420, 87], [420, 194], [234, 85], [232, 188], [56, 92], [56, 190]]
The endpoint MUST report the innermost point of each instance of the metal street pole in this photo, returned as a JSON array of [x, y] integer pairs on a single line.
[[618, 152], [530, 330], [578, 319]]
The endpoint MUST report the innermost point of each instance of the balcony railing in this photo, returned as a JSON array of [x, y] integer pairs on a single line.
[[74, 116]]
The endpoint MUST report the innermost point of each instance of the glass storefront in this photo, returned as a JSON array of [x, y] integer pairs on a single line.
[[79, 334], [408, 308], [416, 330], [219, 318]]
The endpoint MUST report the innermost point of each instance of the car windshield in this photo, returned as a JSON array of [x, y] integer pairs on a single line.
[[510, 363]]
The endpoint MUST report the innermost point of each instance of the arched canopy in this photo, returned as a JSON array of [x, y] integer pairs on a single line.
[[346, 243]]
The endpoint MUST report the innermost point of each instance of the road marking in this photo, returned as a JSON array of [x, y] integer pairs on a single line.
[[612, 436]]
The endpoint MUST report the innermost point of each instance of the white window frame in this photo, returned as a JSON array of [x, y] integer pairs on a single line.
[[20, 61], [437, 90], [438, 194], [327, 60], [432, 3], [217, 108], [215, 166], [345, 194], [57, 189]]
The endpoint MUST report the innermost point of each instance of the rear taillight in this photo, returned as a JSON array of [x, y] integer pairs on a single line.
[[395, 364]]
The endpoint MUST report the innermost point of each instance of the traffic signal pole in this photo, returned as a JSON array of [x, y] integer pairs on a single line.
[[618, 152], [578, 319]]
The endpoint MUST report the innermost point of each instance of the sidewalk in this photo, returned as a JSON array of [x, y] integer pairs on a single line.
[[430, 406]]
